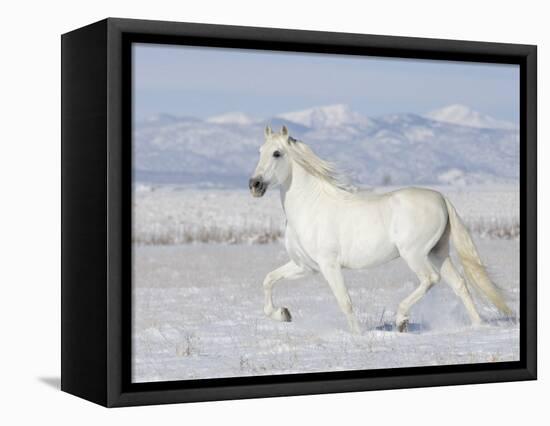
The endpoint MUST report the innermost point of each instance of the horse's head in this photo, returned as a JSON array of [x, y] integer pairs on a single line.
[[274, 165]]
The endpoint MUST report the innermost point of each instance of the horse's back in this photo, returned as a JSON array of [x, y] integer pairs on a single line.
[[416, 196]]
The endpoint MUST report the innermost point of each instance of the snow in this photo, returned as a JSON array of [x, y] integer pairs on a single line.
[[200, 257], [325, 116], [168, 215], [464, 116], [198, 313], [232, 118], [452, 177]]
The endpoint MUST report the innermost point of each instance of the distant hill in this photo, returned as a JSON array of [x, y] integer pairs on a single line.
[[464, 116], [454, 145]]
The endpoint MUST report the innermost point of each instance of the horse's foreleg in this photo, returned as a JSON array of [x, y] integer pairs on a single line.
[[289, 271], [333, 274]]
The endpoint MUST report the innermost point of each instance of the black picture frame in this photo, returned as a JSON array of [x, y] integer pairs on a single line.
[[96, 211]]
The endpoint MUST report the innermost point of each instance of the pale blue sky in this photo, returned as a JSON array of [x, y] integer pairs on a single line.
[[202, 81]]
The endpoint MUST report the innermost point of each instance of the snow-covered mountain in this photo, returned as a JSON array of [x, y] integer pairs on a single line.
[[400, 149], [464, 116], [232, 118], [326, 116]]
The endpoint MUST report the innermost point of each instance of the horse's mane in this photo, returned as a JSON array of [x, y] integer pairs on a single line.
[[316, 166]]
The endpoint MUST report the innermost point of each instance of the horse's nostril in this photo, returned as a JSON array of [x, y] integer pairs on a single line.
[[255, 183]]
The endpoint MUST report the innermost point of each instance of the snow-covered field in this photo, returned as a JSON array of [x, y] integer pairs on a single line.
[[166, 215], [198, 308], [198, 313]]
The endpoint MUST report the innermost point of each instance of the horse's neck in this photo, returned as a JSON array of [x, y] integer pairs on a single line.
[[302, 193]]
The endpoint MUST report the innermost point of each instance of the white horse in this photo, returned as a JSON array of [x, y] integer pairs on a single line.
[[331, 226]]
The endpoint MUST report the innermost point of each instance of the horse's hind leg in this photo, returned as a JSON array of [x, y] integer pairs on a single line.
[[428, 276], [333, 274], [289, 271], [453, 278], [441, 259]]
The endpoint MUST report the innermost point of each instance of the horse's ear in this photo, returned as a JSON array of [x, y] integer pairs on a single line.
[[284, 131], [267, 131]]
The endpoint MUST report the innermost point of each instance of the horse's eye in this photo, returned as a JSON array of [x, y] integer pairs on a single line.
[[276, 154]]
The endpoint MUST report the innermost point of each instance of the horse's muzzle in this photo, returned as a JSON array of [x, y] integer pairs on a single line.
[[257, 186]]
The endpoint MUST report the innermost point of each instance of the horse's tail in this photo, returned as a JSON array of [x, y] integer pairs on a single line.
[[471, 263]]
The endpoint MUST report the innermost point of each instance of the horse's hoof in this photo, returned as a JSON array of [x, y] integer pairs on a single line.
[[403, 326], [285, 315]]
